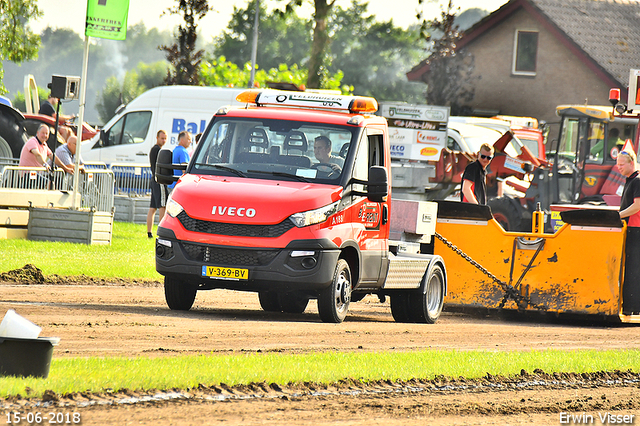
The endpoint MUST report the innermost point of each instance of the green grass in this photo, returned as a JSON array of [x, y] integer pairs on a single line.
[[130, 255], [99, 374]]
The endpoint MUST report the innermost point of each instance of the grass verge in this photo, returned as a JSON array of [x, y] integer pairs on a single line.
[[70, 375], [130, 255]]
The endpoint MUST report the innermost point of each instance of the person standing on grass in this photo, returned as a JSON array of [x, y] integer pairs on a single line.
[[158, 192], [180, 153]]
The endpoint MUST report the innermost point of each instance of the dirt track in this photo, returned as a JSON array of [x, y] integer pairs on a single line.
[[110, 319]]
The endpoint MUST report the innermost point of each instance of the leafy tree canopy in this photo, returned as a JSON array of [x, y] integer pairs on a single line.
[[220, 72], [61, 53], [135, 82], [17, 42], [372, 56], [182, 55]]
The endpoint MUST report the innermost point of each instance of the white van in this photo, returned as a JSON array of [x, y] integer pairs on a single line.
[[130, 134]]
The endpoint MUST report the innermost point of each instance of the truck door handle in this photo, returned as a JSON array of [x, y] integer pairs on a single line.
[[141, 153], [385, 214]]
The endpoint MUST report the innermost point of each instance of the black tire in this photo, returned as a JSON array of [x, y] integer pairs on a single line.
[[12, 136], [400, 307], [507, 213], [179, 294], [333, 302], [426, 305], [293, 303], [269, 301]]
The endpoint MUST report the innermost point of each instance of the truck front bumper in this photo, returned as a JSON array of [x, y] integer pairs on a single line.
[[304, 265]]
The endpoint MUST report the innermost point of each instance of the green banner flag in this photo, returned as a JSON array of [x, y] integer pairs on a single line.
[[107, 19]]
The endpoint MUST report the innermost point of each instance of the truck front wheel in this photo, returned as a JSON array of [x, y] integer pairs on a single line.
[[179, 294], [427, 304], [333, 302]]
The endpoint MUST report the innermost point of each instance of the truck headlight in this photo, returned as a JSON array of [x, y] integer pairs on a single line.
[[314, 216], [173, 208]]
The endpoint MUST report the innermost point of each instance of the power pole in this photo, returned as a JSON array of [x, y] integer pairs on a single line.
[[254, 48]]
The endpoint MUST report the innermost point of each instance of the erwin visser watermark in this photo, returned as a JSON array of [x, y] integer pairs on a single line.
[[597, 419]]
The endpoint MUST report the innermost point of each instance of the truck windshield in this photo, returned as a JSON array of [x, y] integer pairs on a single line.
[[274, 149]]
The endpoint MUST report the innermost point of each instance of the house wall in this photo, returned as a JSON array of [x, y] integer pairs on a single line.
[[561, 77]]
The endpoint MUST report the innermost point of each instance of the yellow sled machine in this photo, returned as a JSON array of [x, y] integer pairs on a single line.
[[577, 270]]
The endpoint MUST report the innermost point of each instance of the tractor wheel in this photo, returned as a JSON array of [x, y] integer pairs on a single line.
[[333, 302], [179, 294], [12, 137], [507, 213]]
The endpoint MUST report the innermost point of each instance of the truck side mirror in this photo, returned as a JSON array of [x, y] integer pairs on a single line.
[[377, 188], [164, 168]]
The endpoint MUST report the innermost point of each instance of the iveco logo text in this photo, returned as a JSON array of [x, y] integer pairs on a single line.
[[233, 211]]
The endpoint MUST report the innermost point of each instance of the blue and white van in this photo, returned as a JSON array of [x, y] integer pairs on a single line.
[[130, 134]]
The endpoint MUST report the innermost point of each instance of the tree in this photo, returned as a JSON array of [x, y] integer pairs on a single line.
[[319, 42], [183, 55], [449, 79], [286, 39], [282, 39], [135, 82], [381, 75], [17, 42], [220, 72]]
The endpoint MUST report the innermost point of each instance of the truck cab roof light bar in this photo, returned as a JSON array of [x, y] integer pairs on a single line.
[[352, 104]]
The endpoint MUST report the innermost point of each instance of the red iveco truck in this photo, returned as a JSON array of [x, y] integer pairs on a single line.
[[289, 196]]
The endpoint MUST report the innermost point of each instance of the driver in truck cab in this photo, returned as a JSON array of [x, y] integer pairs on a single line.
[[322, 152]]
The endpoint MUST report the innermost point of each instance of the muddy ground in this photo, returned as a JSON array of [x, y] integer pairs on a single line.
[[124, 318]]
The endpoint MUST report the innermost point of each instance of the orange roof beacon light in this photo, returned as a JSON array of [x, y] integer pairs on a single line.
[[614, 96], [352, 104], [248, 96]]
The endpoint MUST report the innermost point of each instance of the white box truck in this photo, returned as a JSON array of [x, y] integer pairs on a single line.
[[130, 134]]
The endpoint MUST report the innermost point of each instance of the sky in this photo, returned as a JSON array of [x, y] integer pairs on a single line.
[[72, 14]]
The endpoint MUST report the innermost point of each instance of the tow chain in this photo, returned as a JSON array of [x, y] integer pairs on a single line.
[[510, 292]]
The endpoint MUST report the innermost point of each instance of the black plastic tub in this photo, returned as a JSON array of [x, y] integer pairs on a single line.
[[26, 357]]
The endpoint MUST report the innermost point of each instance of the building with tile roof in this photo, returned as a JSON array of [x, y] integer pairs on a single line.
[[532, 55]]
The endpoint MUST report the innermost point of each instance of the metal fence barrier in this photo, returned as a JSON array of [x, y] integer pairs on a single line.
[[96, 187], [5, 161], [133, 180]]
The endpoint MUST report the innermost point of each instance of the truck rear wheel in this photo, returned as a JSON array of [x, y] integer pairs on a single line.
[[426, 305], [400, 306], [269, 301], [293, 303], [179, 294], [333, 302]]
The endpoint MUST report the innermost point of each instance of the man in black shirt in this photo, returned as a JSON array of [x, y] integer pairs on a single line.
[[630, 212], [158, 192], [48, 107], [474, 179]]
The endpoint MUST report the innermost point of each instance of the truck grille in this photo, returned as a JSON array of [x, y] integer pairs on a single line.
[[233, 229], [226, 256]]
